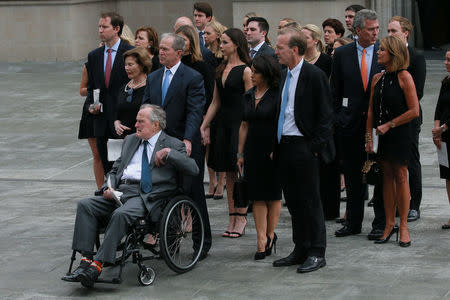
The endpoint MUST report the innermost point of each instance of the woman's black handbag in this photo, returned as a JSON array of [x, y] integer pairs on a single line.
[[371, 171], [240, 192]]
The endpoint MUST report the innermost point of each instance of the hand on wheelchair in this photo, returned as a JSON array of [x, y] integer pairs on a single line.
[[107, 194], [161, 157]]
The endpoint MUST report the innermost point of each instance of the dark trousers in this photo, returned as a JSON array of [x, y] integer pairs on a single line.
[[414, 167], [354, 156], [102, 147], [330, 189], [299, 173], [193, 185]]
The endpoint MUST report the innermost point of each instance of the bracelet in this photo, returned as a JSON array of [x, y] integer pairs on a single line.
[[239, 155]]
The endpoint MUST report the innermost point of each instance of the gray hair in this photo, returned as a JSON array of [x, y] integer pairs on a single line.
[[178, 41], [361, 17], [156, 114]]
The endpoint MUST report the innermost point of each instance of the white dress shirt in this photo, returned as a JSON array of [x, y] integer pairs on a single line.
[[289, 126], [133, 170]]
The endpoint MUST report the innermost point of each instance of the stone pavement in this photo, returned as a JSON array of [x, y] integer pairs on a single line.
[[44, 170]]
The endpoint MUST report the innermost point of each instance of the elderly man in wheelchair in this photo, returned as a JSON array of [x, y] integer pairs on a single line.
[[148, 169]]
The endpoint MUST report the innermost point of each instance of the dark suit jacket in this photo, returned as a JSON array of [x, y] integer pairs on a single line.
[[104, 122], [312, 108], [184, 102], [267, 50], [418, 70], [346, 82], [165, 178]]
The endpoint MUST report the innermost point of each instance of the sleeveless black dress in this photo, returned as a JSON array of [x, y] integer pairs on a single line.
[[224, 130], [388, 103], [259, 169], [442, 114]]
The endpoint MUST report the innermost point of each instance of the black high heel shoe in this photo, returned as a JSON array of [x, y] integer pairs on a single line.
[[386, 239], [404, 244], [274, 245]]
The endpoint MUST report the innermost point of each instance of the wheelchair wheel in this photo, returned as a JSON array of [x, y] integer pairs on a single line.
[[146, 277], [181, 234]]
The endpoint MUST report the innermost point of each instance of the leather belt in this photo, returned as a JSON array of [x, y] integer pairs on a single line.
[[130, 181]]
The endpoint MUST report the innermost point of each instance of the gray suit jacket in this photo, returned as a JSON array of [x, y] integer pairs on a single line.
[[165, 178]]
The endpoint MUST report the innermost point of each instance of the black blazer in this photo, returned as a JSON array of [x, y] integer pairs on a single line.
[[184, 102], [346, 82], [312, 107], [267, 50], [418, 70], [104, 122]]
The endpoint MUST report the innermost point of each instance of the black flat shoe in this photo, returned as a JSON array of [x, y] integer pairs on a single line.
[[294, 258], [311, 264], [346, 231], [446, 226], [88, 277], [72, 277], [260, 255]]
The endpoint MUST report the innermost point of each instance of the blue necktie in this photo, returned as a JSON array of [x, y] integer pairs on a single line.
[[200, 35], [165, 87], [284, 101], [146, 176]]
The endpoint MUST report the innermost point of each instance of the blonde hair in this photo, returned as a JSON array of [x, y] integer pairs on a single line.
[[398, 52], [218, 29], [194, 41], [316, 33], [127, 35]]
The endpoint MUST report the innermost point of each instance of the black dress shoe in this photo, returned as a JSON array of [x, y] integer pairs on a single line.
[[375, 234], [294, 258], [89, 276], [346, 231], [311, 264], [445, 226], [72, 277], [413, 215]]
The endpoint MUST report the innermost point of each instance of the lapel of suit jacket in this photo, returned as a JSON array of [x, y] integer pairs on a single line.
[[158, 146], [100, 69], [156, 86], [355, 62], [118, 64], [173, 87]]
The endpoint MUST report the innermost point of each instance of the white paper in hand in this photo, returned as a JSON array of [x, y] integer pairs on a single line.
[[374, 140], [442, 155], [96, 94], [115, 194]]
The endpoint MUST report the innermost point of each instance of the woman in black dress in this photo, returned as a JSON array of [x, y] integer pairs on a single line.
[[232, 80], [137, 65], [314, 53], [441, 126], [256, 134], [147, 37], [213, 32], [192, 57], [86, 130], [393, 104]]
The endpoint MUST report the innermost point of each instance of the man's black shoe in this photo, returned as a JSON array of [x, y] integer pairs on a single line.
[[89, 276], [346, 231], [413, 215], [311, 264], [72, 277], [294, 258], [375, 234]]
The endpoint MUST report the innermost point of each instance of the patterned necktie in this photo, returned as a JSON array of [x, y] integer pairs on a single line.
[[284, 101], [165, 87], [364, 69], [252, 53], [146, 177], [108, 68], [200, 35]]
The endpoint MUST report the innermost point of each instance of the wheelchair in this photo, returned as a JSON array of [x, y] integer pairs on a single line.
[[177, 226]]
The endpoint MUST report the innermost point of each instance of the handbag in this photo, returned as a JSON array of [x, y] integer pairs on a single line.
[[240, 192], [372, 173]]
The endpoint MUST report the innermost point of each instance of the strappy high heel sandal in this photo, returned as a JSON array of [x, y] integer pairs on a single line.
[[235, 234]]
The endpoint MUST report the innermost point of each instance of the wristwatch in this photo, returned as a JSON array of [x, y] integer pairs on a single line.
[[392, 125]]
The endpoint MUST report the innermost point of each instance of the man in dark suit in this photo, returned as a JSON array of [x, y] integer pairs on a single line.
[[257, 31], [203, 14], [106, 71], [180, 91], [148, 166], [353, 68], [304, 129], [402, 27]]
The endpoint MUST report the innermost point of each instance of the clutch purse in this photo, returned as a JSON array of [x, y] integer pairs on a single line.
[[371, 171], [240, 192]]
